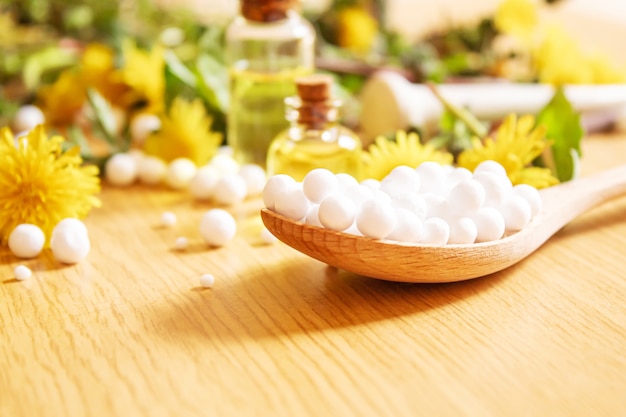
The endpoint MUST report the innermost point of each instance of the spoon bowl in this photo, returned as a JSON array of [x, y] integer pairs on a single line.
[[419, 263]]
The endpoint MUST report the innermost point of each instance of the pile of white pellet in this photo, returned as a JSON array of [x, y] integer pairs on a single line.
[[430, 204]]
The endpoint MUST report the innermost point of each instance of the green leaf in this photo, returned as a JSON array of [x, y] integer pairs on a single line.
[[565, 131], [174, 66], [103, 116], [212, 81]]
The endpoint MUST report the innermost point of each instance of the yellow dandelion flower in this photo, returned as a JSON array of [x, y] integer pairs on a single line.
[[516, 144], [384, 155], [517, 18], [143, 73], [98, 71], [185, 132], [559, 60], [62, 100], [356, 29], [40, 184]]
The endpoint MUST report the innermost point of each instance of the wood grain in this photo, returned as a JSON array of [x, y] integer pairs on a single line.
[[130, 332]]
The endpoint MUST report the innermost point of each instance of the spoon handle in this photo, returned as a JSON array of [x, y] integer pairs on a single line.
[[563, 203]]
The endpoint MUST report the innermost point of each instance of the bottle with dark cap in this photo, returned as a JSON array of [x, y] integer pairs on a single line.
[[268, 46], [315, 137]]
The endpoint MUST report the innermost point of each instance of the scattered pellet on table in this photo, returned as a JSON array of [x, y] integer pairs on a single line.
[[218, 227], [26, 241], [70, 242], [180, 173], [230, 189], [121, 169], [168, 219], [181, 243], [207, 280], [151, 170], [22, 272], [255, 178]]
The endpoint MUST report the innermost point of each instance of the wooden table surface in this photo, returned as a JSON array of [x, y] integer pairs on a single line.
[[129, 331]]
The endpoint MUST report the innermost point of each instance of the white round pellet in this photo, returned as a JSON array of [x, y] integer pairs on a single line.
[[463, 230], [467, 197], [491, 166], [151, 170], [346, 180], [403, 176], [168, 219], [268, 237], [121, 169], [312, 217], [225, 150], [218, 227], [207, 280], [358, 193], [337, 212], [371, 183], [489, 224], [22, 272], [393, 188], [26, 241], [437, 206], [255, 178], [353, 230], [381, 195], [516, 212], [409, 227], [456, 175], [432, 177], [292, 203], [180, 173], [436, 231], [27, 117], [319, 183], [137, 155], [530, 194], [70, 223], [415, 203], [69, 243], [230, 189], [275, 185], [202, 184], [143, 125], [181, 243], [496, 187], [376, 219], [225, 163]]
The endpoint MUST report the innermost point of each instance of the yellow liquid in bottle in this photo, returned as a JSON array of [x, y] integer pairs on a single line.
[[297, 158], [257, 112]]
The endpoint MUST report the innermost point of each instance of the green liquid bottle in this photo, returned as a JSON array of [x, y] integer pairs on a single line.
[[268, 46], [315, 138]]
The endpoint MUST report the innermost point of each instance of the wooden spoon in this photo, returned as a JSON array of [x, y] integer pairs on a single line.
[[408, 262]]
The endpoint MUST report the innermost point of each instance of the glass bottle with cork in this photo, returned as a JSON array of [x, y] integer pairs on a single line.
[[315, 138], [268, 46]]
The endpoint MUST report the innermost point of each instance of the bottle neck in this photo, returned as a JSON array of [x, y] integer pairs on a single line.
[[312, 115], [266, 11]]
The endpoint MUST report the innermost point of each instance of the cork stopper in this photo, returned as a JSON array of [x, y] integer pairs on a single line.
[[266, 11], [315, 92], [316, 87]]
